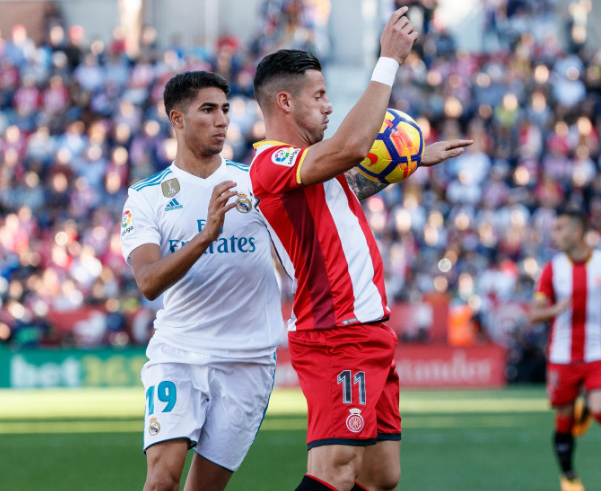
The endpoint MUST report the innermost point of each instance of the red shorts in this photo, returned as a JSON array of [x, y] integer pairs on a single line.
[[565, 381], [349, 379]]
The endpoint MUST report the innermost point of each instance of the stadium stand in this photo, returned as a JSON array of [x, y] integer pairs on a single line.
[[80, 121]]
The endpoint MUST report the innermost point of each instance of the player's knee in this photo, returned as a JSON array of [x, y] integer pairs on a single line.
[[387, 480], [594, 406], [161, 481], [346, 473], [566, 411], [346, 481], [338, 465]]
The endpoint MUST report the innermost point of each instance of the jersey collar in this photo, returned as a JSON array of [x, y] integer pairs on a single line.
[[271, 143], [186, 176], [582, 261]]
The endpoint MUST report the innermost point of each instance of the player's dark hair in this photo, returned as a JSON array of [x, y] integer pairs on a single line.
[[282, 70], [575, 214], [182, 88]]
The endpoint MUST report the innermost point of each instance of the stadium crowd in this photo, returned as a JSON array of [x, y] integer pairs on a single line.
[[81, 120]]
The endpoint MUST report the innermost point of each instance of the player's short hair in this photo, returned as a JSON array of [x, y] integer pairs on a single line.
[[282, 70], [182, 88], [575, 214]]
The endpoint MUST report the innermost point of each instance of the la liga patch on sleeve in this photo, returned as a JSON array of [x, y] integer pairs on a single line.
[[127, 224], [285, 156]]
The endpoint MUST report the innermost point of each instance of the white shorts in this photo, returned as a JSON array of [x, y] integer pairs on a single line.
[[218, 404]]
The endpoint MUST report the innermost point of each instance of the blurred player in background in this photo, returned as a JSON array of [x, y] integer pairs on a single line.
[[569, 295], [192, 233], [340, 348]]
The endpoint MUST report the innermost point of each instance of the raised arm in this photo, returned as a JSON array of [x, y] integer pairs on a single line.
[[433, 154], [154, 274], [362, 186], [355, 136]]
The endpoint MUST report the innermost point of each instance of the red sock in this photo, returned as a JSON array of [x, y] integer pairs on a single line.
[[597, 417], [563, 424]]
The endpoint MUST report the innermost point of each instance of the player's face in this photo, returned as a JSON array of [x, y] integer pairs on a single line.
[[312, 107], [566, 233], [206, 121]]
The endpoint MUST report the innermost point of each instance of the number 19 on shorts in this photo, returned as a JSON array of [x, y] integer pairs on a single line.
[[166, 392], [345, 378]]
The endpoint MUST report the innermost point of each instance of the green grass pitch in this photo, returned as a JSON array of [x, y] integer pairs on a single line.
[[452, 440]]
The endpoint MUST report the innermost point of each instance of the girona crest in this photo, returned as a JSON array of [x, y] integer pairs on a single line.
[[355, 421]]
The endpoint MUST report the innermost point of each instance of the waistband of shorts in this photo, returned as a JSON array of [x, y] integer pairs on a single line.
[[573, 364], [216, 355], [377, 322]]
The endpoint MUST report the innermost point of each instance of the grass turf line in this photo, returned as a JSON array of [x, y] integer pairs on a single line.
[[452, 440]]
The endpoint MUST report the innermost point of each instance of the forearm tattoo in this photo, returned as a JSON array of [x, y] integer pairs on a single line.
[[361, 185]]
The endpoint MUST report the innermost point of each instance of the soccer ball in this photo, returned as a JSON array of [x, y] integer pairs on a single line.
[[397, 151]]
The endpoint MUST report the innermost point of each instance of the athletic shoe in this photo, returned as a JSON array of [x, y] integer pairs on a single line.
[[582, 417], [572, 484]]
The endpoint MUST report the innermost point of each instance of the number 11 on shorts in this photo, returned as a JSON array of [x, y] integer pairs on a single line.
[[345, 378]]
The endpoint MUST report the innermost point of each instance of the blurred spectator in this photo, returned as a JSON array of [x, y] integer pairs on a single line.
[[533, 109], [80, 122]]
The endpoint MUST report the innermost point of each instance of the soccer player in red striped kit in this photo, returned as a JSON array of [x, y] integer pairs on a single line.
[[307, 190], [569, 295]]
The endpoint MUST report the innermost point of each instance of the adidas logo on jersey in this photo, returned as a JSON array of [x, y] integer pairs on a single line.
[[173, 205]]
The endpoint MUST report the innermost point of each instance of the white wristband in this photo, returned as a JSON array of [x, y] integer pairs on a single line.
[[385, 71]]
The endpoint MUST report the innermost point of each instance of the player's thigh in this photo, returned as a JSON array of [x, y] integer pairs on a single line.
[[165, 462], [176, 402], [381, 468], [338, 465], [206, 476], [387, 409], [594, 401], [239, 395], [592, 384], [563, 384]]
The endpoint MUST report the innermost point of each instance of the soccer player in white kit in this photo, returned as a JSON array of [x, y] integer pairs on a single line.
[[193, 233]]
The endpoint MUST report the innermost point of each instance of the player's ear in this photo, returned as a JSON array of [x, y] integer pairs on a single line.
[[284, 101], [177, 119]]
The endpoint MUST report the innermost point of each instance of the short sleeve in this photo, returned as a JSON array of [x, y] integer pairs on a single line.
[[276, 170], [544, 285], [138, 226]]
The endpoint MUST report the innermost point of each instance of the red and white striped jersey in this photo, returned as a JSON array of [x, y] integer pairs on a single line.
[[576, 332], [323, 240]]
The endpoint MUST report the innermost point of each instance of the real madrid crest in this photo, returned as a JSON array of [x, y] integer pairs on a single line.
[[170, 188], [243, 203], [154, 427], [355, 421]]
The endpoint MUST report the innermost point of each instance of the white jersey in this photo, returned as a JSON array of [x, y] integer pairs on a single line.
[[228, 304]]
